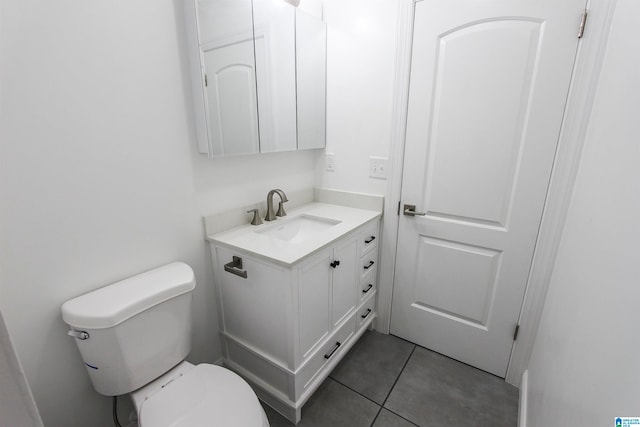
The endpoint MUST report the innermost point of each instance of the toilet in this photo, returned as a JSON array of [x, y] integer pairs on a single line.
[[134, 335]]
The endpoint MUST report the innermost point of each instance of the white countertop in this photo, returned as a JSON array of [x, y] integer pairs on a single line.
[[248, 237]]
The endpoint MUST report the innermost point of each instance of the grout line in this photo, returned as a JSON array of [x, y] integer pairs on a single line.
[[394, 385], [381, 406], [400, 416], [355, 391], [398, 377], [376, 417]]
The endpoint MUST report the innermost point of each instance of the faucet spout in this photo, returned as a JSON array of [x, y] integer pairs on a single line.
[[271, 214]]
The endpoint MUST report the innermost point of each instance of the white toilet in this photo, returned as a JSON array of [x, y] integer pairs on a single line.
[[134, 335]]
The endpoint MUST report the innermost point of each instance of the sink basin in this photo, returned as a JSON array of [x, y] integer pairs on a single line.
[[299, 228]]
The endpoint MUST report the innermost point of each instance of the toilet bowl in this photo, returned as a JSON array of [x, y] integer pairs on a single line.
[[134, 335], [202, 395]]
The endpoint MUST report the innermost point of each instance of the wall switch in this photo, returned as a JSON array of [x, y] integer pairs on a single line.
[[330, 161], [378, 167]]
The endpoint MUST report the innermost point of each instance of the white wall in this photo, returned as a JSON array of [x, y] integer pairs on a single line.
[[361, 49], [17, 407], [585, 367], [99, 178]]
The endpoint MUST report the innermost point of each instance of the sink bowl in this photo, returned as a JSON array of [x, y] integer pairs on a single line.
[[299, 228]]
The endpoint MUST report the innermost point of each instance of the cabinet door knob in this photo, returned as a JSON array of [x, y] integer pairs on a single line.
[[366, 267], [334, 264]]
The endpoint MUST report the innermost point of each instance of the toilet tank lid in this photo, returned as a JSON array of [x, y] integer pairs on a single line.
[[113, 304]]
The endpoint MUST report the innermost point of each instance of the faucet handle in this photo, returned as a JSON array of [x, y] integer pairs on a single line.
[[256, 217], [281, 211]]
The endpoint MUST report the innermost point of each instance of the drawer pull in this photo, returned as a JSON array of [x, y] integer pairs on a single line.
[[364, 316], [364, 291], [235, 267], [337, 346], [366, 267], [334, 264], [371, 239]]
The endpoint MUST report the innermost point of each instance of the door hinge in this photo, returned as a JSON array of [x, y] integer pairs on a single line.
[[583, 22], [515, 333], [398, 207], [205, 80]]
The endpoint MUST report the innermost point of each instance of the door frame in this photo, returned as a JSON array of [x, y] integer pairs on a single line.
[[582, 90]]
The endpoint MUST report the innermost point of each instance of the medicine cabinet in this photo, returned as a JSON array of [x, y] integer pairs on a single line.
[[258, 71]]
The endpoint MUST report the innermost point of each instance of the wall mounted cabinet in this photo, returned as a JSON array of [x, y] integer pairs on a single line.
[[258, 71]]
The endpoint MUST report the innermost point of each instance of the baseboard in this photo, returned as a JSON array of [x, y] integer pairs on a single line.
[[522, 407]]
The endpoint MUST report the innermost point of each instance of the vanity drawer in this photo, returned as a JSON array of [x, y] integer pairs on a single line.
[[369, 237], [369, 262], [367, 284], [367, 310], [330, 350]]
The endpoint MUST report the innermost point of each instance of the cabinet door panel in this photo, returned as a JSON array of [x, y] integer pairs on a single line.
[[313, 301], [344, 280], [255, 307]]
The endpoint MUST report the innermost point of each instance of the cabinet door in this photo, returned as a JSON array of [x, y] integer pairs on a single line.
[[256, 306], [314, 277], [345, 277]]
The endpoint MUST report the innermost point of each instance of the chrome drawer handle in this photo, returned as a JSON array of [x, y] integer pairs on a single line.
[[366, 267], [371, 239], [328, 355], [235, 267], [364, 316], [364, 291]]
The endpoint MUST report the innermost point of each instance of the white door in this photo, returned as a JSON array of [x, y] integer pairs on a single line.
[[488, 85]]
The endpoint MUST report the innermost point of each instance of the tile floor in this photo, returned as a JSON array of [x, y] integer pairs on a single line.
[[386, 381]]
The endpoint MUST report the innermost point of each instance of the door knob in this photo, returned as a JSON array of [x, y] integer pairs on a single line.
[[411, 211]]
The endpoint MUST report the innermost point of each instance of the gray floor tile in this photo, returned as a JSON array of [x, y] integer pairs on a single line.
[[389, 419], [373, 365], [335, 405], [275, 419], [331, 405], [434, 390]]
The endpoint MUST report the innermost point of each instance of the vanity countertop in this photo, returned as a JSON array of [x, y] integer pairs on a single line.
[[253, 239]]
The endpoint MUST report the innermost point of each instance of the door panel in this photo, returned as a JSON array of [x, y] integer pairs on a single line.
[[487, 91], [444, 284], [476, 149]]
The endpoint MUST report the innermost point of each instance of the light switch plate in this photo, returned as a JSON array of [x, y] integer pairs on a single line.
[[378, 167]]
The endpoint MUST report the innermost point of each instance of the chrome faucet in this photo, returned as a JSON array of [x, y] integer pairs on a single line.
[[270, 212]]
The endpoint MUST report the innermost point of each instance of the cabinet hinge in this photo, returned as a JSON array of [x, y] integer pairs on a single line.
[[583, 22], [515, 333], [205, 80]]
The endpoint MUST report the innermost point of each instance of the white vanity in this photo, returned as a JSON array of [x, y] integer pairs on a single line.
[[294, 295]]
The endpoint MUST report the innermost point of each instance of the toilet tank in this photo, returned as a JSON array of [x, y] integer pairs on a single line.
[[134, 330]]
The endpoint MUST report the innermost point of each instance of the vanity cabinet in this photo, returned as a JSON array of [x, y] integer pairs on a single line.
[[284, 327]]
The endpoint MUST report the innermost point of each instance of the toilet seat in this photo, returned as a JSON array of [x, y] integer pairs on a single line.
[[206, 395]]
